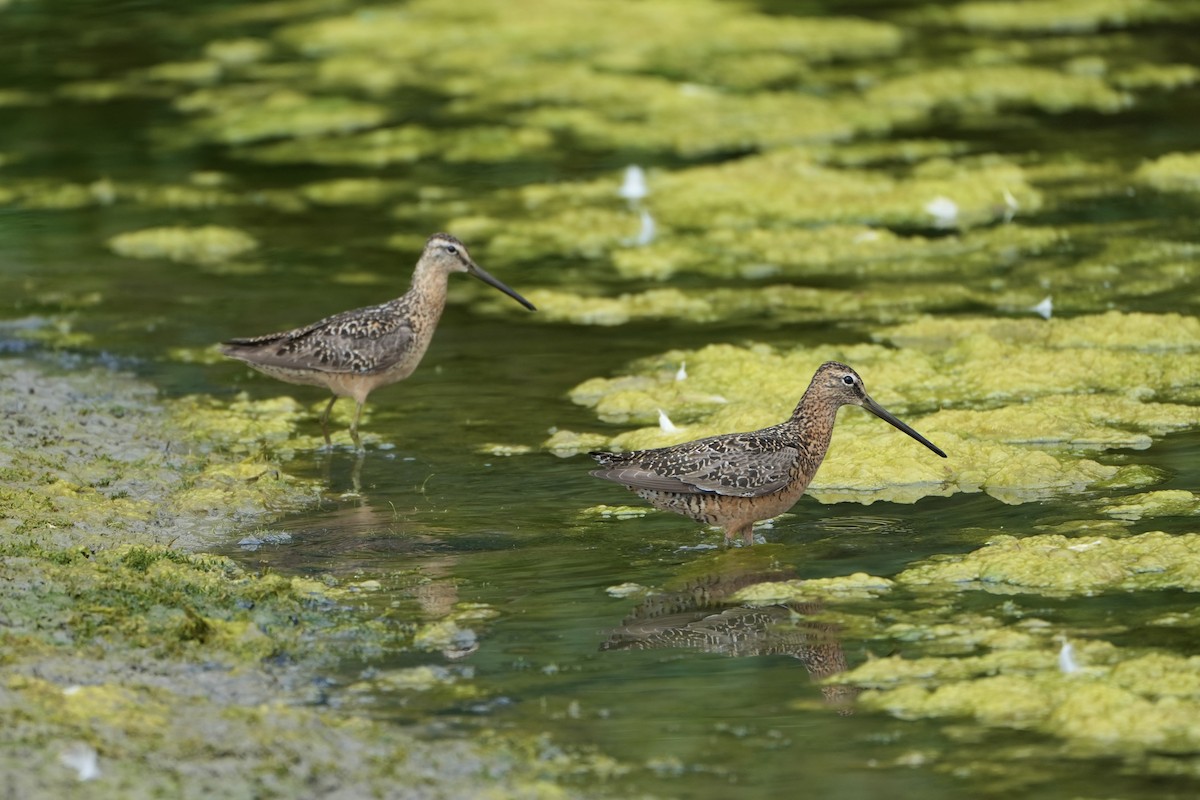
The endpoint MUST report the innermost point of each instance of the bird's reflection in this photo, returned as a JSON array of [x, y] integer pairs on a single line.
[[701, 616], [326, 461]]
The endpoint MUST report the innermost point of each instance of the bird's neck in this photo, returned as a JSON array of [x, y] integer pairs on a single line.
[[812, 421], [428, 291]]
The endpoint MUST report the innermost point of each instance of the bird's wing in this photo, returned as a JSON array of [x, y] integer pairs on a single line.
[[364, 340], [740, 465]]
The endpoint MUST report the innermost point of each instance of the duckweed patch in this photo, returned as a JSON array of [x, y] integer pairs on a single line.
[[1167, 503], [827, 251], [1160, 76], [249, 113], [1066, 16], [777, 302], [988, 89], [107, 491], [745, 201], [1125, 705], [808, 263], [408, 144], [171, 604], [1053, 564], [564, 72], [154, 737], [857, 586], [1174, 172], [454, 635], [102, 462], [1010, 667], [206, 245], [351, 191]]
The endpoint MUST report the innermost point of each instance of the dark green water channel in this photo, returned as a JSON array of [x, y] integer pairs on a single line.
[[439, 522]]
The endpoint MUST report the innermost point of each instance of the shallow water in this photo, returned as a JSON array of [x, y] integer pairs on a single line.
[[440, 521]]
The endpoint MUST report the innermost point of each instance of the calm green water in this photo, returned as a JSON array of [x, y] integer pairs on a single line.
[[439, 522]]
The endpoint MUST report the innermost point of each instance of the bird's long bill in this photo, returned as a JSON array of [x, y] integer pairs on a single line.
[[483, 275], [886, 416]]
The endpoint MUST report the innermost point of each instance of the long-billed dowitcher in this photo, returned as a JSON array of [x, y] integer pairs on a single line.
[[735, 479], [357, 351]]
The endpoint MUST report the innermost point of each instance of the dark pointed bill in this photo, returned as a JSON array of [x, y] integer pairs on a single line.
[[886, 416], [483, 275]]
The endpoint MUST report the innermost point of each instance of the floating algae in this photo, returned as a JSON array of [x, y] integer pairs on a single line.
[[1105, 422], [130, 487], [1010, 668], [675, 39], [1131, 334], [1166, 503], [1066, 16], [10, 98], [777, 214], [1119, 703], [775, 302], [206, 245], [200, 73], [669, 89], [1057, 565], [1174, 172], [407, 144], [351, 191], [1157, 76], [176, 728], [238, 52], [859, 586], [628, 90], [247, 116], [430, 686], [742, 201]]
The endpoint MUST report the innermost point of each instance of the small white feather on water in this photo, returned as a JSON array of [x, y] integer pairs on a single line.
[[1044, 309], [82, 758], [1066, 659], [943, 210], [665, 423], [648, 230], [1011, 206], [633, 186]]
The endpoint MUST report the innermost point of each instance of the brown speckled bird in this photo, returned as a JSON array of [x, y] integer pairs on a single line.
[[735, 479], [357, 351]]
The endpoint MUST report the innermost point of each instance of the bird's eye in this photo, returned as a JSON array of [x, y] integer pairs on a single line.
[[451, 249], [848, 380]]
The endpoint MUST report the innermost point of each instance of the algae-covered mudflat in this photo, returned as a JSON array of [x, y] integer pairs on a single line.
[[986, 208]]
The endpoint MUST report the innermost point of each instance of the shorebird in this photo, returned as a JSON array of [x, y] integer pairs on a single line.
[[355, 352], [735, 479]]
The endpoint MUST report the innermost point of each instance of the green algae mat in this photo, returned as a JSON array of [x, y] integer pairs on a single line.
[[986, 207]]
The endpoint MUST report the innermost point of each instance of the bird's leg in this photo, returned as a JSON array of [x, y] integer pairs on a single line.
[[354, 427], [325, 420], [748, 534], [746, 530]]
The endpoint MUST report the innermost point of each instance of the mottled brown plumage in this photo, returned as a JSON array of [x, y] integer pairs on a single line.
[[357, 351], [735, 479]]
